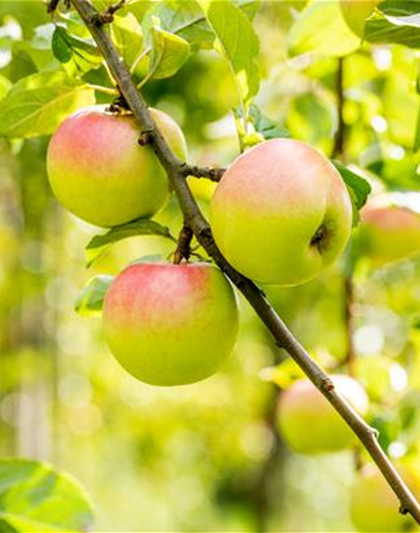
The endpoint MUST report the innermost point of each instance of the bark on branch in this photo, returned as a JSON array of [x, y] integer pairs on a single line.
[[176, 170]]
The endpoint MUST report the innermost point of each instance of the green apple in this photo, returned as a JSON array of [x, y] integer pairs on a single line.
[[309, 424], [355, 13], [388, 233], [373, 504], [171, 324], [100, 173], [281, 213]]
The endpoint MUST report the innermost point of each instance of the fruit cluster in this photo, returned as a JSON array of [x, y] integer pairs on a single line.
[[280, 214]]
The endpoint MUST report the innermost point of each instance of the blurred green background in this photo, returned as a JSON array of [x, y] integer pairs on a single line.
[[206, 457]]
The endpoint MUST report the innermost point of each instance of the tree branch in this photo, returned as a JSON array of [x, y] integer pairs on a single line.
[[199, 225], [338, 148]]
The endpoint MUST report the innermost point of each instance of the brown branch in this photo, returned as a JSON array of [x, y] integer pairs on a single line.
[[338, 148], [199, 225], [350, 357], [210, 173], [183, 250]]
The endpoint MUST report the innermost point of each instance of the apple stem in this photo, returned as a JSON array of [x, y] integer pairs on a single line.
[[177, 171]]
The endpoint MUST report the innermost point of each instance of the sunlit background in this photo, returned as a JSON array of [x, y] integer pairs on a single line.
[[206, 457]]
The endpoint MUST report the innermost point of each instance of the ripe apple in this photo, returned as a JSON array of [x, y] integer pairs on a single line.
[[281, 213], [171, 324], [374, 506], [99, 172], [309, 424], [355, 13], [388, 233]]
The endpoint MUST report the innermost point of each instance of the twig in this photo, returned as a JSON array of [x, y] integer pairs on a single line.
[[210, 173], [107, 16], [199, 225], [183, 250]]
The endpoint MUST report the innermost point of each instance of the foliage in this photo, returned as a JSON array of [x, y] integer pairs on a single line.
[[273, 68]]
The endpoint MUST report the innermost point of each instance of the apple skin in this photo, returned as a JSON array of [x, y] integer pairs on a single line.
[[355, 13], [281, 213], [374, 506], [388, 233], [310, 425], [171, 324], [100, 173]]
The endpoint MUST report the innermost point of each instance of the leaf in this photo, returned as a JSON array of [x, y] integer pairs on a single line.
[[91, 298], [34, 497], [237, 42], [182, 18], [169, 53], [67, 47], [37, 104], [321, 28], [265, 126], [143, 226], [186, 19], [405, 30], [60, 45], [5, 85], [359, 189], [128, 36], [416, 144]]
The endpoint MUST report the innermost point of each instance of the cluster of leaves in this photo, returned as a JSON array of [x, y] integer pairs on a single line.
[[63, 66]]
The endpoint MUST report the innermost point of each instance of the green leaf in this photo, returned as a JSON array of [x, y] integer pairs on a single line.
[[91, 298], [183, 18], [359, 189], [143, 226], [5, 85], [128, 36], [186, 19], [265, 126], [34, 497], [321, 28], [61, 46], [37, 104], [83, 52], [169, 53], [416, 144], [382, 28], [237, 42]]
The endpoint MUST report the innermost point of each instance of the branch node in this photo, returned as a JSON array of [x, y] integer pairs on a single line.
[[146, 137], [403, 510], [210, 173], [327, 384], [107, 16], [373, 432]]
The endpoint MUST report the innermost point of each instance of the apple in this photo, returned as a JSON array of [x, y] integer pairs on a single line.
[[100, 173], [281, 213], [388, 233], [171, 324], [373, 504], [309, 424], [355, 13]]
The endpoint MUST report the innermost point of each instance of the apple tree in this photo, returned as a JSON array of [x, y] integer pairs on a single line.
[[282, 213]]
